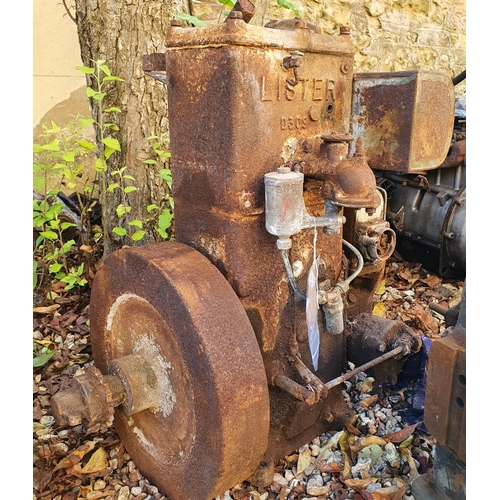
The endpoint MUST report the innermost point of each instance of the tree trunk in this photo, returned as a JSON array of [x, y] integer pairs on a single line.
[[121, 32]]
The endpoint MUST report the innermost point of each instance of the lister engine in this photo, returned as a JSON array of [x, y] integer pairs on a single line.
[[227, 349]]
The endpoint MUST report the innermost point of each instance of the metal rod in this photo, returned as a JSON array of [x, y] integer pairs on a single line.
[[362, 368], [296, 390]]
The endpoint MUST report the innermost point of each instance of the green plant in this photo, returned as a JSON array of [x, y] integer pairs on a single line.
[[59, 160], [162, 214], [41, 354], [105, 145], [289, 5]]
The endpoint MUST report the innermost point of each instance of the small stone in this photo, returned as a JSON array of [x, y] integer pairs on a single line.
[[123, 493], [314, 450], [47, 420], [136, 490], [313, 483], [289, 475], [279, 479], [99, 485]]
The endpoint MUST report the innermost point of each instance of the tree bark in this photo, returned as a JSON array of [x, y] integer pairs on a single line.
[[121, 32]]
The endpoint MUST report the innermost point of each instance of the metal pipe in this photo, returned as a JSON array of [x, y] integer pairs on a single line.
[[362, 368], [289, 272], [358, 269]]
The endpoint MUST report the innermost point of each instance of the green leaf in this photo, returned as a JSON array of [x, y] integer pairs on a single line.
[[39, 183], [67, 246], [129, 177], [55, 268], [86, 145], [130, 189], [289, 5], [112, 187], [119, 231], [136, 223], [85, 122], [149, 162], [50, 235], [104, 68], [65, 225], [52, 146], [190, 19], [112, 143], [111, 126], [122, 209], [138, 235], [100, 165], [113, 109], [112, 79], [151, 207], [69, 156], [43, 357], [85, 69], [165, 219], [90, 92], [229, 3]]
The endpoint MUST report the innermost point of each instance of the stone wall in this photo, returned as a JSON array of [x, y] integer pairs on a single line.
[[390, 35]]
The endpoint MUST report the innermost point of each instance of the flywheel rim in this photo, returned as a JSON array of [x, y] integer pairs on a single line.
[[169, 298]]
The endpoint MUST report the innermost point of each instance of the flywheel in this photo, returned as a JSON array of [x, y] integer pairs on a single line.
[[197, 401]]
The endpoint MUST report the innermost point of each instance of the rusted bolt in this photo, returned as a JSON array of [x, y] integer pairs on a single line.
[[344, 69], [345, 30], [449, 235], [370, 211], [235, 14], [175, 22], [299, 23]]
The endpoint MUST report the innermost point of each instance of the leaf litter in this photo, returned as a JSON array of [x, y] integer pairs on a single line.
[[378, 458]]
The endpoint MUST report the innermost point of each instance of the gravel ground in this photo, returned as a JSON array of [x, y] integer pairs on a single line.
[[378, 458]]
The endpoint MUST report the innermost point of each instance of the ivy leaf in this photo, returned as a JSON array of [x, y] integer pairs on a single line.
[[130, 189]]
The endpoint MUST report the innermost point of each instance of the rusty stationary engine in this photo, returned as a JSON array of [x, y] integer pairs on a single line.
[[221, 352]]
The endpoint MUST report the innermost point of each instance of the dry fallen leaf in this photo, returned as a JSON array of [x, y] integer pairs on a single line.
[[350, 428], [379, 309], [412, 463], [75, 457], [399, 436], [432, 281], [304, 460], [360, 484], [366, 402], [98, 461], [46, 309]]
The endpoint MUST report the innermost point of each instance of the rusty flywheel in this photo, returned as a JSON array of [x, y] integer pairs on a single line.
[[165, 310]]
